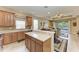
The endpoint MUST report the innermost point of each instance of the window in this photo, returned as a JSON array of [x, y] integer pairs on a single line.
[[35, 24], [20, 24], [62, 28]]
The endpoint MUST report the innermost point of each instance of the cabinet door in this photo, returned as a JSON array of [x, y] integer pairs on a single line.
[[14, 37], [21, 35], [7, 38], [1, 18], [32, 45], [39, 48], [29, 42], [26, 41], [6, 21], [29, 20], [12, 20]]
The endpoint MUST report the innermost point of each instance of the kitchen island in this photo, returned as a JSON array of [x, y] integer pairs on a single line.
[[38, 41]]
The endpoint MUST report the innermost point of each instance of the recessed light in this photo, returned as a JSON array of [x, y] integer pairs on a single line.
[[48, 12]]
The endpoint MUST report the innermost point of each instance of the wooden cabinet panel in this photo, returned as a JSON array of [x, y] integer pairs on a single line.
[[32, 45], [14, 37], [28, 21], [12, 20], [26, 41], [7, 18], [29, 42], [1, 19], [39, 48], [7, 38], [21, 35]]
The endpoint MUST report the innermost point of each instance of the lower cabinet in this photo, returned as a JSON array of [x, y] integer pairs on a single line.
[[6, 38], [26, 41], [9, 38], [35, 45], [39, 48], [12, 37], [29, 44], [21, 36], [32, 45]]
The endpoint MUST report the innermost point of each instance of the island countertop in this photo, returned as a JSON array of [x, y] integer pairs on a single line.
[[42, 36]]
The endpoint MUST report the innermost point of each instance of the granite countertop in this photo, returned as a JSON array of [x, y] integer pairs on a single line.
[[13, 30], [40, 35]]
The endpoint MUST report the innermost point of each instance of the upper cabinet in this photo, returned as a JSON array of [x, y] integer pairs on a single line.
[[28, 21], [1, 18], [7, 18]]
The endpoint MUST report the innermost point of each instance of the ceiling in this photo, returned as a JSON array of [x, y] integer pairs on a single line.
[[48, 11]]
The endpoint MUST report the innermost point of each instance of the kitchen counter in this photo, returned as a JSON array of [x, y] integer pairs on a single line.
[[14, 30], [42, 36]]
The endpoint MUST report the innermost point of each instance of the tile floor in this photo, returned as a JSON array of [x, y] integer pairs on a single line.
[[15, 47]]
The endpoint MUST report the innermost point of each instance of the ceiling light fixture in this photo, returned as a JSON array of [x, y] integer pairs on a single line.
[[48, 12], [45, 6]]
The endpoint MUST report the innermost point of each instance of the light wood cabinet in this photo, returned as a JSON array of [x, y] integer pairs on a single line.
[[12, 19], [39, 48], [35, 45], [21, 35], [14, 37], [29, 20], [6, 38], [29, 42], [32, 46], [1, 19], [26, 41], [7, 18]]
